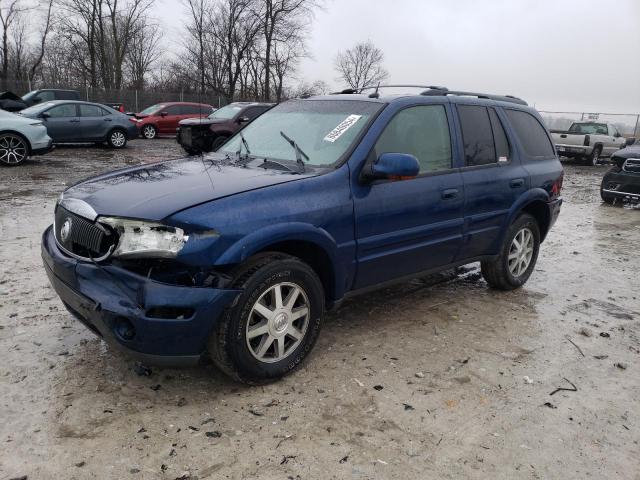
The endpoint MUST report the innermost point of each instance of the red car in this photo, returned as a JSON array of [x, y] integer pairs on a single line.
[[163, 118]]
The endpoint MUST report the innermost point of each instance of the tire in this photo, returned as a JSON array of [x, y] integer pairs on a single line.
[[149, 132], [594, 158], [218, 142], [14, 149], [190, 151], [258, 348], [117, 138], [504, 274]]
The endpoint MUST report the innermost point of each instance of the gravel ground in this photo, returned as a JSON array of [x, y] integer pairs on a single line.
[[438, 377]]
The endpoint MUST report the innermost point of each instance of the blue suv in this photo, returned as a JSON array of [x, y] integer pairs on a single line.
[[238, 254]]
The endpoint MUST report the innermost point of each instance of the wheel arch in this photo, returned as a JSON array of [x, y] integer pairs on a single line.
[[310, 244], [535, 203], [21, 135]]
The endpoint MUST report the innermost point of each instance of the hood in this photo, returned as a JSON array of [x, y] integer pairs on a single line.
[[202, 121], [156, 191], [632, 151]]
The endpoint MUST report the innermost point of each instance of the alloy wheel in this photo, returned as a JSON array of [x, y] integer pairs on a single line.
[[149, 132], [118, 139], [277, 322], [13, 149], [521, 252]]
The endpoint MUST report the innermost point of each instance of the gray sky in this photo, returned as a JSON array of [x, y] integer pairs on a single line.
[[581, 55]]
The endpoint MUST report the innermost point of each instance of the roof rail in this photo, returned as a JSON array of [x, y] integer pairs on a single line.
[[499, 98], [376, 87], [433, 90]]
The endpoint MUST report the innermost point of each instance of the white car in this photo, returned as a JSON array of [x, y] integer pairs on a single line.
[[21, 137], [588, 140]]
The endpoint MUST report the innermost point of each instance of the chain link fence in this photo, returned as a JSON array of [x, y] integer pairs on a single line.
[[627, 124], [133, 100]]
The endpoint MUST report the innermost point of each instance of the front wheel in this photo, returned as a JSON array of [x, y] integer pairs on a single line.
[[217, 143], [275, 322], [117, 139], [13, 149], [518, 255]]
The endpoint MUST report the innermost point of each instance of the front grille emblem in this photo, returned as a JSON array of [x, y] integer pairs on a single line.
[[65, 230]]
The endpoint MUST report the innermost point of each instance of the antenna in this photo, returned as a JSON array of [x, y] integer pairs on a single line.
[[375, 94]]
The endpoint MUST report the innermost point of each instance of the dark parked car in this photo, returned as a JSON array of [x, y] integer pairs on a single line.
[[239, 255], [197, 135], [10, 102], [622, 182], [163, 118], [83, 122], [49, 94]]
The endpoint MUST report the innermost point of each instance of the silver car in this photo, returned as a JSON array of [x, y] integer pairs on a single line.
[[21, 137]]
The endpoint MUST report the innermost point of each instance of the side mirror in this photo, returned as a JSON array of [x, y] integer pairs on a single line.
[[36, 100], [617, 135], [45, 115], [164, 114], [243, 119], [393, 166]]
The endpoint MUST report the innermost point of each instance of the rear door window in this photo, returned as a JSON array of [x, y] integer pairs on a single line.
[[92, 111], [532, 135], [477, 135], [499, 137], [421, 131]]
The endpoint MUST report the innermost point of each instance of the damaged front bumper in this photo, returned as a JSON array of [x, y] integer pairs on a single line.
[[623, 185], [156, 322]]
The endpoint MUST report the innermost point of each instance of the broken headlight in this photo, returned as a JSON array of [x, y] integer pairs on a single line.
[[137, 238]]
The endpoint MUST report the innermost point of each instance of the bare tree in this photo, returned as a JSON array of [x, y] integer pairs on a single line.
[[198, 10], [143, 53], [9, 13], [37, 61], [361, 66]]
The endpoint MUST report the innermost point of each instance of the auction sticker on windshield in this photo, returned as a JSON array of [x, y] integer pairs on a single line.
[[345, 125]]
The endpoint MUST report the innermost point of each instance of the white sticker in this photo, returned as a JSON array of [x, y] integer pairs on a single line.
[[345, 125]]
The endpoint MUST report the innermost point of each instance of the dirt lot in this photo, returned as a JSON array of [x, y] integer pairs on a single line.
[[434, 378]]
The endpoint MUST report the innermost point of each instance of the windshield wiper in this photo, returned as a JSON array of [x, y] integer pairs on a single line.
[[299, 152], [246, 147]]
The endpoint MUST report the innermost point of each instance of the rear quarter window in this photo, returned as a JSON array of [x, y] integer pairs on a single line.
[[532, 135]]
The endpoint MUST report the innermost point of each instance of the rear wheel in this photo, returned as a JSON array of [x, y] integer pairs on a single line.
[[149, 132], [13, 149], [117, 139], [275, 322], [518, 255]]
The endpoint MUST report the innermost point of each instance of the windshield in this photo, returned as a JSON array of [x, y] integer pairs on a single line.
[[226, 112], [152, 109], [27, 96], [323, 129], [589, 128], [34, 110]]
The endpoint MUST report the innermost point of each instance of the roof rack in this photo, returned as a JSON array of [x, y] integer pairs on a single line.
[[432, 90], [435, 91]]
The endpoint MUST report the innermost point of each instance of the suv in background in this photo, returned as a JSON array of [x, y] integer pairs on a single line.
[[163, 118], [197, 135], [239, 255], [49, 94]]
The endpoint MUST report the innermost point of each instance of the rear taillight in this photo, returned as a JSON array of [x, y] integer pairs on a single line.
[[556, 188], [587, 139]]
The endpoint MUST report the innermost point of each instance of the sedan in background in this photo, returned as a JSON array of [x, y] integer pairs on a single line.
[[163, 118], [83, 122], [201, 135], [21, 137]]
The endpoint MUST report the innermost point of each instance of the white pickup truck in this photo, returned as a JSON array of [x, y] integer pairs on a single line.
[[588, 140]]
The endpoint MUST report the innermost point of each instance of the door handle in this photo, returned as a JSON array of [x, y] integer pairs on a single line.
[[75, 120], [449, 193], [517, 183], [107, 119]]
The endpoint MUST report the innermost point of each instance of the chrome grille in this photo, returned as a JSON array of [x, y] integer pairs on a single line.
[[81, 237], [632, 165]]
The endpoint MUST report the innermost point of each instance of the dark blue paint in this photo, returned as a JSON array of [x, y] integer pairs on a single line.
[[391, 165], [366, 231]]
